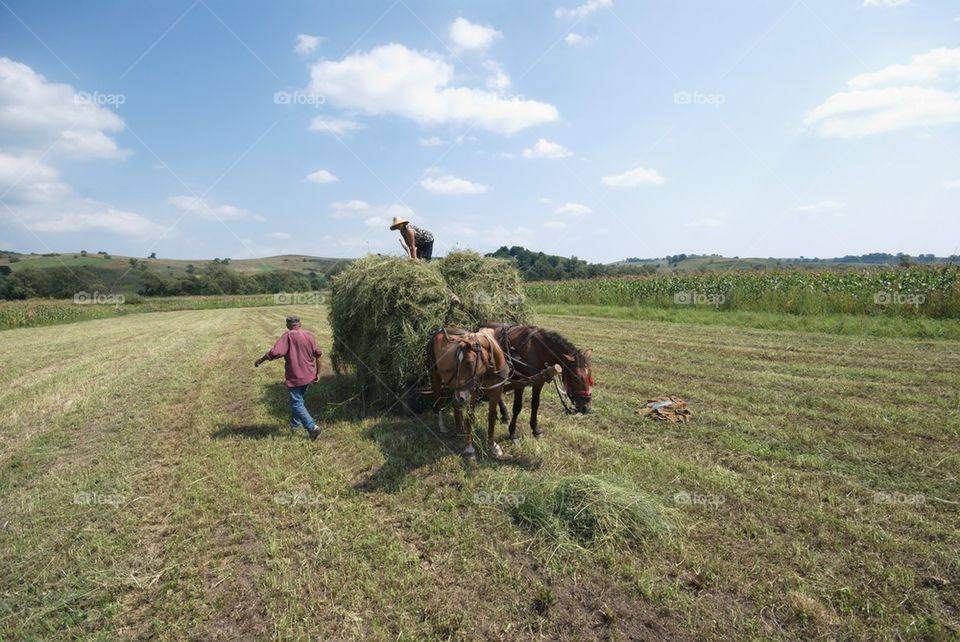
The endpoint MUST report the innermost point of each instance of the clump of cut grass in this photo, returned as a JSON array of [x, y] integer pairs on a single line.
[[587, 511], [383, 310]]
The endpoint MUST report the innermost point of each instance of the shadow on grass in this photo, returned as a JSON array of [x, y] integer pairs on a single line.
[[411, 443], [324, 400]]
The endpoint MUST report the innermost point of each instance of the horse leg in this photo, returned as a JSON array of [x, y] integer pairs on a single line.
[[436, 387], [534, 406], [496, 399], [504, 418], [517, 408], [468, 452]]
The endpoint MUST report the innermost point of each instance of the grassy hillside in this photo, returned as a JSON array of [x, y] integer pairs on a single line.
[[118, 275]]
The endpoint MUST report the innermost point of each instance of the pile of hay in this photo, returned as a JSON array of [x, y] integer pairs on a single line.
[[383, 310], [590, 511]]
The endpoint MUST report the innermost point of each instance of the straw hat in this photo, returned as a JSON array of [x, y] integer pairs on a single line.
[[397, 222]]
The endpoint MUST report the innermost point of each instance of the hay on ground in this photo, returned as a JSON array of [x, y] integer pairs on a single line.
[[589, 511], [383, 310]]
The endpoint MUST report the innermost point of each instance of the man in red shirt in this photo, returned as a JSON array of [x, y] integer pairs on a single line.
[[301, 368]]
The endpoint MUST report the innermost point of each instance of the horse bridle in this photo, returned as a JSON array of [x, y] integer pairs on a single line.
[[476, 347]]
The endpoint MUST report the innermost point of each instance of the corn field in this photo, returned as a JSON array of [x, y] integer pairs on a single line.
[[910, 291]]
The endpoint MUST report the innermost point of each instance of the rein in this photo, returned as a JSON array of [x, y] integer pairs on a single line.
[[563, 401]]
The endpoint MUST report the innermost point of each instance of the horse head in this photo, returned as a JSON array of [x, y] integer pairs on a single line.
[[578, 379]]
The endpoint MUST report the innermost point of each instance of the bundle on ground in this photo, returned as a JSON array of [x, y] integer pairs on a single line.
[[585, 510], [383, 310]]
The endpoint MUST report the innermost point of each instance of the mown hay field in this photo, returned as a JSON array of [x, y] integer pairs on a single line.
[[150, 488]]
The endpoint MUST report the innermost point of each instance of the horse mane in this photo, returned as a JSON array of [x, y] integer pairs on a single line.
[[565, 345]]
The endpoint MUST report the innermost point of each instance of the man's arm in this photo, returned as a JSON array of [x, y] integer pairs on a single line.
[[278, 350], [318, 355]]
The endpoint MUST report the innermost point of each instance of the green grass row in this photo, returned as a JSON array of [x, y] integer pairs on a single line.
[[842, 324], [908, 292], [41, 312]]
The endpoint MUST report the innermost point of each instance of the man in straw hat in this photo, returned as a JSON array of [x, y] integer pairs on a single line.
[[417, 241], [301, 368]]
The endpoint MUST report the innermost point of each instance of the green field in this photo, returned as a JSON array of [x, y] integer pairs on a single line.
[[115, 274], [150, 488]]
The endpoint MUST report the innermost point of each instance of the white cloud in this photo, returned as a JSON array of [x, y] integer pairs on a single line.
[[278, 236], [334, 125], [393, 79], [584, 10], [555, 225], [433, 141], [45, 117], [354, 205], [399, 210], [543, 148], [634, 178], [576, 39], [467, 35], [820, 206], [40, 119], [205, 209], [321, 176], [499, 79], [954, 184], [307, 44], [934, 65], [573, 209], [706, 221], [923, 93], [885, 3], [452, 185], [87, 214], [377, 221]]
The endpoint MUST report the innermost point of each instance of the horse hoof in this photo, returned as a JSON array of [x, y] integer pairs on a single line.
[[470, 454], [515, 441], [538, 435], [497, 451]]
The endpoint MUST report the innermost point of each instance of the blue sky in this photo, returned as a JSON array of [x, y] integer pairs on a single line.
[[601, 128]]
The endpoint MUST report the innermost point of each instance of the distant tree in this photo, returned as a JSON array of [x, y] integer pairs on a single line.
[[5, 270], [107, 256], [83, 252], [14, 259], [190, 268], [153, 255]]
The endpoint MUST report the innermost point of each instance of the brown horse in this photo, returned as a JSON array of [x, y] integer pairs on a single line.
[[529, 348], [469, 365]]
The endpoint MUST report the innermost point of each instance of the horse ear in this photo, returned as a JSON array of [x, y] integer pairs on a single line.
[[569, 357], [588, 353]]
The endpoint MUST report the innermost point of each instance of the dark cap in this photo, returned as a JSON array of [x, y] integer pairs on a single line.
[[293, 319]]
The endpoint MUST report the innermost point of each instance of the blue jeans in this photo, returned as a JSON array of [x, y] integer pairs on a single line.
[[299, 417]]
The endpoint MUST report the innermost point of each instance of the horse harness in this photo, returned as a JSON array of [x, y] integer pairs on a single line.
[[487, 358]]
